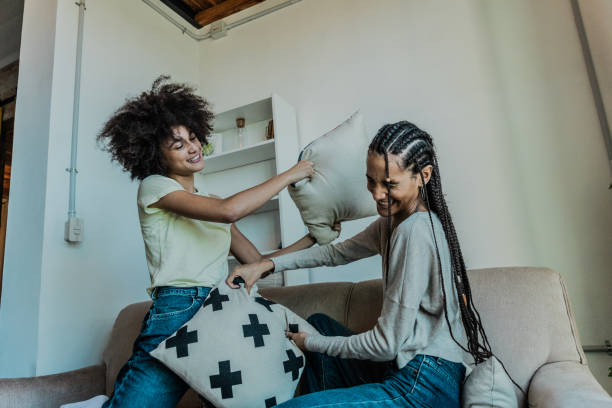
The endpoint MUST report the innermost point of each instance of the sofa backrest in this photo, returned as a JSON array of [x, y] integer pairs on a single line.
[[525, 313]]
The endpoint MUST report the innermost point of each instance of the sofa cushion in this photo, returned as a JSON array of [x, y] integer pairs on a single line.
[[337, 190], [234, 351], [488, 385]]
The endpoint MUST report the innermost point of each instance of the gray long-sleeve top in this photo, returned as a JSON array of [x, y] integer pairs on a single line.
[[412, 319]]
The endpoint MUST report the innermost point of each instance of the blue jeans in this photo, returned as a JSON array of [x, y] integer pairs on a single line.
[[143, 381], [426, 381]]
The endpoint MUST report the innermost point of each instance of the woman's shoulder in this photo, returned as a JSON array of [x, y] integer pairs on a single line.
[[154, 187], [418, 224], [154, 181]]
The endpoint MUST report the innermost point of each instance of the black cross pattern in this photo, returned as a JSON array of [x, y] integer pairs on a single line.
[[226, 379], [294, 328], [265, 302], [215, 299], [255, 330], [293, 364], [181, 341], [270, 402]]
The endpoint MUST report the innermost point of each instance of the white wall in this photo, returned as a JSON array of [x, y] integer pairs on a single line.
[[25, 224], [82, 287], [502, 88], [425, 62], [560, 155]]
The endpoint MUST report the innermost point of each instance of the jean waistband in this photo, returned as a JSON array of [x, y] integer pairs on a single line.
[[198, 291], [456, 368]]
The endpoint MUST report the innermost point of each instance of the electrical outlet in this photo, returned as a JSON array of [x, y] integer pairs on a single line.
[[73, 230]]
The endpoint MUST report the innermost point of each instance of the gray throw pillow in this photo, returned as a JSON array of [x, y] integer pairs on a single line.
[[337, 190], [234, 351], [488, 385]]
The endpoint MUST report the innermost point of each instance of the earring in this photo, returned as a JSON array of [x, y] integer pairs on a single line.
[[422, 193]]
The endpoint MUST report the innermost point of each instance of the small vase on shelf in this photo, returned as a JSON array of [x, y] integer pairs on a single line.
[[241, 133]]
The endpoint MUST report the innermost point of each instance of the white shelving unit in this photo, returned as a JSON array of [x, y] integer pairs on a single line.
[[237, 168]]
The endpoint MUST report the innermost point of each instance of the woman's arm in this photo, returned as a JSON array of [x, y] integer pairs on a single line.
[[231, 209], [245, 252], [362, 245], [412, 264]]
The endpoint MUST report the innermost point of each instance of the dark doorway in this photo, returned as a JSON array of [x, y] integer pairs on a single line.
[[8, 94]]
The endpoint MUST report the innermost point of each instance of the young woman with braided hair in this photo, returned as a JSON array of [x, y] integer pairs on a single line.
[[413, 357]]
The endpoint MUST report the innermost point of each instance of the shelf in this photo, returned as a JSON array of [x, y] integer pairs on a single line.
[[239, 157], [253, 112], [271, 205]]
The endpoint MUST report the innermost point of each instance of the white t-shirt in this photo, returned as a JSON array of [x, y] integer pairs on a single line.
[[181, 251]]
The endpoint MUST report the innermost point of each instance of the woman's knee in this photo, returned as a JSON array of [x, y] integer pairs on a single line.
[[328, 326], [320, 321]]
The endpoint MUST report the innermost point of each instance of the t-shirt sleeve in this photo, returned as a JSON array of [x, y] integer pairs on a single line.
[[154, 188], [362, 245], [412, 260]]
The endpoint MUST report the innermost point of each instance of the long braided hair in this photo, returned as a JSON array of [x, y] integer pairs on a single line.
[[415, 149]]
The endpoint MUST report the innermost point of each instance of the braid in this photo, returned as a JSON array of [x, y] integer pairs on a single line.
[[415, 149]]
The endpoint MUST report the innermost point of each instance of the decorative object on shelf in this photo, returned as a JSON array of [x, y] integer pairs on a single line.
[[270, 130], [215, 142], [337, 190], [241, 132], [208, 149]]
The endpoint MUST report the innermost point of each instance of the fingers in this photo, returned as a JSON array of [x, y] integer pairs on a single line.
[[248, 285], [230, 280], [230, 283], [309, 167]]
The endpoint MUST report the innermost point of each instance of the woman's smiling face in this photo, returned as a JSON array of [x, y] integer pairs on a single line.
[[403, 185], [183, 152]]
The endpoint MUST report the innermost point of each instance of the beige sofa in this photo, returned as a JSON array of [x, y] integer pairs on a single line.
[[525, 311]]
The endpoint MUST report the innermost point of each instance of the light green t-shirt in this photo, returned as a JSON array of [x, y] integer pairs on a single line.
[[181, 251]]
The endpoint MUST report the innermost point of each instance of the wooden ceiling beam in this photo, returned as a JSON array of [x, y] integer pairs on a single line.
[[222, 10], [199, 5]]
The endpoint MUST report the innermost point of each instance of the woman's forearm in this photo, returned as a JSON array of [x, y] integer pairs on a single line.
[[305, 242], [247, 201]]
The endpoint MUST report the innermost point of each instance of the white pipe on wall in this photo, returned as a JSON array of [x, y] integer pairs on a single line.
[[73, 225]]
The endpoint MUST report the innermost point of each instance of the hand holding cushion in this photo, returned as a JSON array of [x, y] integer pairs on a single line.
[[337, 190]]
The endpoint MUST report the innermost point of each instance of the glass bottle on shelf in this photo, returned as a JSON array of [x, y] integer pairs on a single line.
[[241, 132]]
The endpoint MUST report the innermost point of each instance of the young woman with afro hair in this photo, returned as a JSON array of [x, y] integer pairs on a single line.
[[157, 137]]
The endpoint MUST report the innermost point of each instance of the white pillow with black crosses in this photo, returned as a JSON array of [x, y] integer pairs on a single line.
[[234, 351]]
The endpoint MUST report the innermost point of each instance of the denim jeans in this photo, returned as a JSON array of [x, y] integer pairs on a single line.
[[426, 381], [143, 381]]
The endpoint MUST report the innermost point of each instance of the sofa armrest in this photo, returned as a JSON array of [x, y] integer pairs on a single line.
[[53, 390], [566, 384]]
